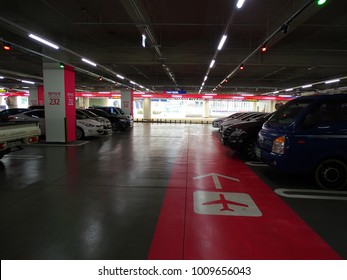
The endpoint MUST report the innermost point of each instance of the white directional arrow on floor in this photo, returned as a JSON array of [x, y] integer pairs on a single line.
[[216, 179]]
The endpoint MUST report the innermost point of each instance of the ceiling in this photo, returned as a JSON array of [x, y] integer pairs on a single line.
[[182, 39]]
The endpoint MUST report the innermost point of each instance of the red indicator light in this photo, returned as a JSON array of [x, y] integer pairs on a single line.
[[6, 47]]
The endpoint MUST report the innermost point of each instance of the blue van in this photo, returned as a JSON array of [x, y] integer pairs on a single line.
[[308, 135]]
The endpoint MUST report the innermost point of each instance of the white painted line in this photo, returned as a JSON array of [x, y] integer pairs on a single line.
[[23, 156], [215, 178], [256, 163], [72, 144], [225, 203], [312, 194]]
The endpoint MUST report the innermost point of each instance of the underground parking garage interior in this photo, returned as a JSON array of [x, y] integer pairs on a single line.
[[174, 130]]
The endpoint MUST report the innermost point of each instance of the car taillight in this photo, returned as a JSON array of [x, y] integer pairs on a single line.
[[34, 139]]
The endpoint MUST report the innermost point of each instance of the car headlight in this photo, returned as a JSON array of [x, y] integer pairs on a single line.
[[88, 124], [278, 145]]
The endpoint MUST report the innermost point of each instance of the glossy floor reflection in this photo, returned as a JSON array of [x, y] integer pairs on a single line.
[[142, 194], [100, 200]]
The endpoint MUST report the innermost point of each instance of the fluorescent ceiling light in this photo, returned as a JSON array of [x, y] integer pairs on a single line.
[[240, 4], [276, 92], [306, 86], [332, 81], [1, 77], [289, 89], [120, 77], [221, 43], [285, 95], [43, 41], [89, 62], [212, 63], [143, 40], [205, 78], [27, 82]]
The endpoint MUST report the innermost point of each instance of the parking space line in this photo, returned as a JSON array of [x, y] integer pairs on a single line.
[[312, 194], [11, 156]]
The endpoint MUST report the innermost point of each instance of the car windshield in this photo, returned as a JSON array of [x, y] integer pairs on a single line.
[[120, 111], [287, 113], [99, 112], [89, 113]]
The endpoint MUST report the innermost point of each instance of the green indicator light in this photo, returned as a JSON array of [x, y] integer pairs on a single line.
[[61, 65], [321, 2]]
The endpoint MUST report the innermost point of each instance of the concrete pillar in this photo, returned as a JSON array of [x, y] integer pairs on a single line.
[[36, 96], [83, 102], [147, 110], [206, 112], [60, 107], [127, 101]]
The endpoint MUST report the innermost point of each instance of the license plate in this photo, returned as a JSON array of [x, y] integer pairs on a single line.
[[14, 144]]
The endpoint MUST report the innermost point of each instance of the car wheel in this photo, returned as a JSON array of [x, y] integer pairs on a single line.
[[79, 133], [248, 150], [115, 126], [331, 174]]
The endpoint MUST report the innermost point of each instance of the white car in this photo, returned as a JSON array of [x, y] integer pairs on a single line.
[[84, 127], [107, 126]]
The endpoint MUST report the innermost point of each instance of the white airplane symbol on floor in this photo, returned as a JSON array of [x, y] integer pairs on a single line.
[[225, 203]]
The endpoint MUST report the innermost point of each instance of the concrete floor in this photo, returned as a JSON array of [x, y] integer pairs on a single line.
[[134, 195]]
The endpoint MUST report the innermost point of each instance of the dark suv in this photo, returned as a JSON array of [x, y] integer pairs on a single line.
[[242, 137], [117, 122], [116, 112]]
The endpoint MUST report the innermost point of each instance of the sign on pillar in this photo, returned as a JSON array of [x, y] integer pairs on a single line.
[[60, 107]]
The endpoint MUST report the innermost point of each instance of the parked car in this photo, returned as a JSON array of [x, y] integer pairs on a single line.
[[309, 135], [34, 107], [242, 137], [217, 122], [4, 114], [246, 117], [104, 121], [118, 122], [117, 112], [84, 127]]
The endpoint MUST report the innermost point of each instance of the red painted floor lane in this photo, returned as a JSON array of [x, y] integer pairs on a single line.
[[217, 208]]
